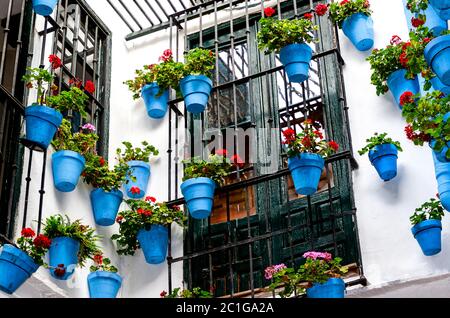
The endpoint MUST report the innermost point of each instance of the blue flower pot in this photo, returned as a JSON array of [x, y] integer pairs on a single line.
[[199, 196], [437, 55], [104, 284], [440, 155], [439, 86], [442, 7], [155, 103], [359, 29], [42, 122], [15, 268], [196, 90], [63, 250], [428, 235], [398, 84], [384, 159], [141, 171], [296, 59], [306, 170], [332, 288], [154, 243], [44, 7], [443, 180], [67, 167], [434, 22], [105, 206]]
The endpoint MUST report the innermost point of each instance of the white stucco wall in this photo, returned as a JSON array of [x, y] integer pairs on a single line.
[[388, 248]]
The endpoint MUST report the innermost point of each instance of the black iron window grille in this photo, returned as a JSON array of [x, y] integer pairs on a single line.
[[262, 221]]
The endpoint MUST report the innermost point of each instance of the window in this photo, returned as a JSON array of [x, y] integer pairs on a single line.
[[258, 220], [83, 43]]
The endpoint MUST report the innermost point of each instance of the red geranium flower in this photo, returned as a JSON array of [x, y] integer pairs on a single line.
[[344, 2], [176, 208], [90, 87], [416, 22], [119, 219], [334, 145], [153, 199], [237, 161], [309, 121], [426, 40], [167, 56], [55, 61], [102, 161], [135, 190], [406, 98], [222, 152], [163, 294], [318, 134], [98, 259], [60, 270], [268, 12], [409, 132], [140, 211], [306, 141], [289, 135], [395, 40], [308, 16], [42, 241], [27, 232], [75, 81], [366, 4], [403, 59], [321, 9]]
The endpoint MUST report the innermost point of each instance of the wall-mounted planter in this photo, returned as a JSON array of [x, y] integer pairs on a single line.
[[63, 257], [434, 22], [443, 180], [154, 243], [384, 159], [105, 206], [42, 122], [104, 284], [437, 55], [428, 235], [67, 167], [305, 171], [296, 59], [441, 155], [140, 170], [398, 84], [199, 196], [155, 101], [359, 29], [438, 85], [333, 288], [196, 90], [15, 268], [44, 7], [442, 7]]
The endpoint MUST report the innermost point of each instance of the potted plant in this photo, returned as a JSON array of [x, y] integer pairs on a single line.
[[145, 225], [442, 171], [42, 121], [391, 69], [427, 118], [306, 152], [106, 196], [68, 161], [153, 83], [199, 182], [44, 7], [137, 159], [354, 18], [426, 15], [72, 244], [18, 263], [442, 7], [196, 292], [323, 275], [196, 84], [290, 39], [320, 276], [103, 281], [383, 154], [427, 226]]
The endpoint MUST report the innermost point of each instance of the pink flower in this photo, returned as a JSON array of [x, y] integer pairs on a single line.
[[167, 55], [318, 255], [395, 40], [89, 127], [271, 270]]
